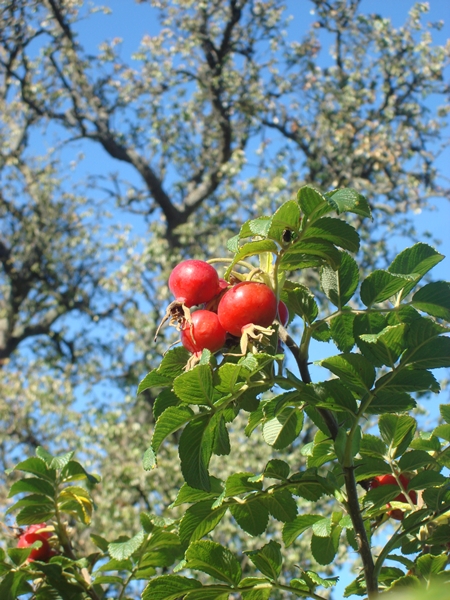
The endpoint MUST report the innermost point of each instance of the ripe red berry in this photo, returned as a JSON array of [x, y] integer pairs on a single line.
[[245, 303], [380, 480], [204, 332], [283, 313], [31, 535], [194, 282]]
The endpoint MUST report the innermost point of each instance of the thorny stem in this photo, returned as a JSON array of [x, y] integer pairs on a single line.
[[349, 476]]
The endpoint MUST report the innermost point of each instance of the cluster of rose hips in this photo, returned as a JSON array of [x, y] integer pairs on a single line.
[[237, 308], [381, 480], [37, 533]]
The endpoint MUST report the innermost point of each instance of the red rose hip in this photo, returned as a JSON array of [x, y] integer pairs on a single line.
[[245, 303], [204, 332], [381, 480], [31, 535], [194, 282]]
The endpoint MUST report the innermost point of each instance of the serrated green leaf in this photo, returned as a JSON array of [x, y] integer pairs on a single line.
[[387, 344], [14, 584], [252, 516], [340, 285], [369, 467], [173, 362], [73, 471], [277, 469], [99, 541], [200, 519], [149, 459], [301, 523], [408, 380], [35, 513], [444, 409], [349, 200], [267, 559], [416, 261], [372, 445], [415, 459], [285, 217], [190, 495], [353, 369], [170, 421], [251, 249], [434, 299], [33, 485], [332, 395], [239, 483], [381, 285], [228, 378], [215, 560], [312, 252], [322, 528], [333, 230], [426, 479], [36, 466], [261, 588], [221, 444], [195, 386], [283, 429], [169, 587], [31, 499], [442, 431], [397, 431], [164, 399], [195, 449], [300, 300], [429, 565], [153, 379], [123, 550], [432, 355], [324, 549], [341, 328], [388, 401], [312, 202], [281, 505]]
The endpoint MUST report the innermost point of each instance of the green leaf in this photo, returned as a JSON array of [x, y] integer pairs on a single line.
[[174, 362], [281, 504], [153, 379], [369, 467], [169, 587], [416, 261], [277, 469], [299, 525], [267, 559], [36, 466], [300, 300], [335, 231], [313, 252], [285, 217], [444, 409], [59, 462], [228, 379], [262, 588], [349, 200], [397, 431], [408, 380], [312, 202], [332, 395], [164, 399], [122, 550], [387, 401], [73, 471], [431, 355], [170, 421], [324, 549], [342, 331], [340, 285], [387, 344], [240, 483], [33, 485], [434, 299], [381, 285], [149, 459], [372, 445], [221, 444], [195, 386], [322, 528], [215, 560], [32, 499], [426, 479], [195, 449], [429, 565], [35, 513], [415, 459], [200, 519], [353, 369], [283, 429], [252, 516], [14, 584], [251, 249]]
